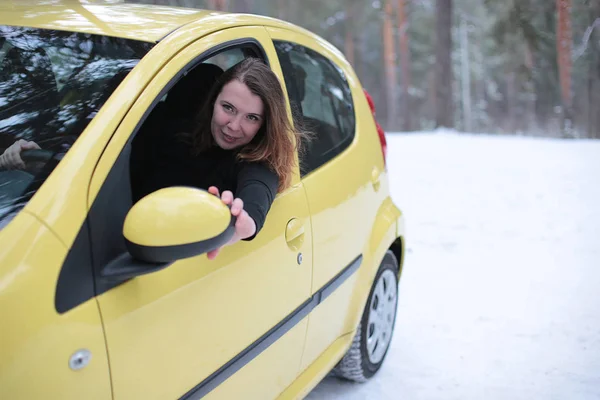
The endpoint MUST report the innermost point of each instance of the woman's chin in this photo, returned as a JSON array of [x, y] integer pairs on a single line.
[[227, 145]]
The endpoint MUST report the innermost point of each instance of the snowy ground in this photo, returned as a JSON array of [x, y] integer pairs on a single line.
[[500, 296]]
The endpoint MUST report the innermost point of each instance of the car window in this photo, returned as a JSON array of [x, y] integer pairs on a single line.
[[321, 102], [176, 114], [52, 84], [227, 58]]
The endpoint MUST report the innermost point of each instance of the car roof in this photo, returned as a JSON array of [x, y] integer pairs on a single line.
[[143, 22], [148, 23]]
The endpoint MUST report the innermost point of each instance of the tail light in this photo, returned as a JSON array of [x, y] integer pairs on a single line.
[[380, 131]]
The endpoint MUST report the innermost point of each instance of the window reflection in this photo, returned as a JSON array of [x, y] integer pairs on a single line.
[[52, 84]]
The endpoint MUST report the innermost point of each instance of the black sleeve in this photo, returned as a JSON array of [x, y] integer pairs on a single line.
[[257, 187]]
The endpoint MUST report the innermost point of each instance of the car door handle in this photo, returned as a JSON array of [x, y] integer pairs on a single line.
[[294, 233], [376, 178]]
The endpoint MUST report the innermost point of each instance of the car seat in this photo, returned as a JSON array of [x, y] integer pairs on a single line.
[[189, 93], [183, 103]]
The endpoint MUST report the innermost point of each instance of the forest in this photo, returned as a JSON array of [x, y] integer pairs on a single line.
[[527, 67]]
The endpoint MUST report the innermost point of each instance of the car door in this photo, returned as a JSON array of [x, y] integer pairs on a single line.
[[341, 171], [36, 343], [229, 328], [47, 350]]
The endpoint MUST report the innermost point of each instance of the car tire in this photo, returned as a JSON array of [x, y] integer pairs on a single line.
[[365, 357]]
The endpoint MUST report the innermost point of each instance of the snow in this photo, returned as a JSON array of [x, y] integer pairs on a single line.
[[500, 294]]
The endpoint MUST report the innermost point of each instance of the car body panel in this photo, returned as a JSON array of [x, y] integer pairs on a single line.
[[36, 341], [280, 356], [196, 305], [342, 219], [389, 228], [51, 203], [311, 376], [129, 21], [381, 237], [218, 309]]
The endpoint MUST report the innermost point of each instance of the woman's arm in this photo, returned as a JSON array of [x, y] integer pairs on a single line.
[[256, 191], [257, 187]]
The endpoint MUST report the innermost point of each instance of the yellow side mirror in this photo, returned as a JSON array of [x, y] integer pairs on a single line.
[[175, 223]]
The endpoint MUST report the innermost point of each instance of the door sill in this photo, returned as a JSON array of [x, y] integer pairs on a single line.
[[312, 375]]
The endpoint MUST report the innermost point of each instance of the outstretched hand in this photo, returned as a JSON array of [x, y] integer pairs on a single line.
[[244, 224]]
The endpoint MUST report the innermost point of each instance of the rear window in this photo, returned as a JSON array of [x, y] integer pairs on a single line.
[[52, 84]]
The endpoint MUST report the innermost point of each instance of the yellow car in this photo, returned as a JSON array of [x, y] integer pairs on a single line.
[[104, 299]]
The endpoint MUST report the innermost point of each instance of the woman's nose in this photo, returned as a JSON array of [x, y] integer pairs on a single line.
[[234, 123]]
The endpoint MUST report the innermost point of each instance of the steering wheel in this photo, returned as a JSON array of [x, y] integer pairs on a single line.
[[36, 155], [14, 183]]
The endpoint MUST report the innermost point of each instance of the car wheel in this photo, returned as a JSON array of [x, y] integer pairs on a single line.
[[374, 334]]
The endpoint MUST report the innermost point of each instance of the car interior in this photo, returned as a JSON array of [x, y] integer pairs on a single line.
[[325, 137], [182, 102], [34, 107], [124, 184]]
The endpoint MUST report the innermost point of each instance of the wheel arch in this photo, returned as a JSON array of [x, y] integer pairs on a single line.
[[397, 247], [382, 237]]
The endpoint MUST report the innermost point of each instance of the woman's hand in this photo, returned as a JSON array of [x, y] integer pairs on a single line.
[[244, 224], [11, 158]]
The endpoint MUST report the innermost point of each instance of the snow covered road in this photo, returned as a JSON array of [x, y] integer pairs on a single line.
[[500, 295]]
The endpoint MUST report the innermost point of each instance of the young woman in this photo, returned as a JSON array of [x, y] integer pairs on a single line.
[[242, 147]]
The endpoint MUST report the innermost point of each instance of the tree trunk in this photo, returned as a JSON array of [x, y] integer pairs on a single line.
[[594, 130], [465, 78], [405, 63], [281, 14], [390, 65], [444, 113], [563, 46], [349, 34], [431, 94], [242, 6], [218, 5], [510, 123], [530, 88], [594, 92], [360, 56]]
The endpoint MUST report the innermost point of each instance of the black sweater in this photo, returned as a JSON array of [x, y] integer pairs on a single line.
[[175, 165]]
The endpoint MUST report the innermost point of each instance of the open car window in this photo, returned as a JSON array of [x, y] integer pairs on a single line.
[[52, 84]]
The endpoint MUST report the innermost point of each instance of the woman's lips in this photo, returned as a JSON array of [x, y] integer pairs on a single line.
[[228, 138]]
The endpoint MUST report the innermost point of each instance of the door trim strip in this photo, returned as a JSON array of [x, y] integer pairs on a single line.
[[274, 334]]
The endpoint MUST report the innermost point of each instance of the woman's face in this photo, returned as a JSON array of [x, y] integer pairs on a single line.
[[238, 114]]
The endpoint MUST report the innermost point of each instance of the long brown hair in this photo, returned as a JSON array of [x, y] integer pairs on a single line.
[[274, 143]]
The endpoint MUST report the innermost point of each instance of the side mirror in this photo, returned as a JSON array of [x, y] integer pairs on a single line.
[[168, 225]]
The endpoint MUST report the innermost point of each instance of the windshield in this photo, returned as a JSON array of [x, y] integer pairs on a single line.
[[52, 83]]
